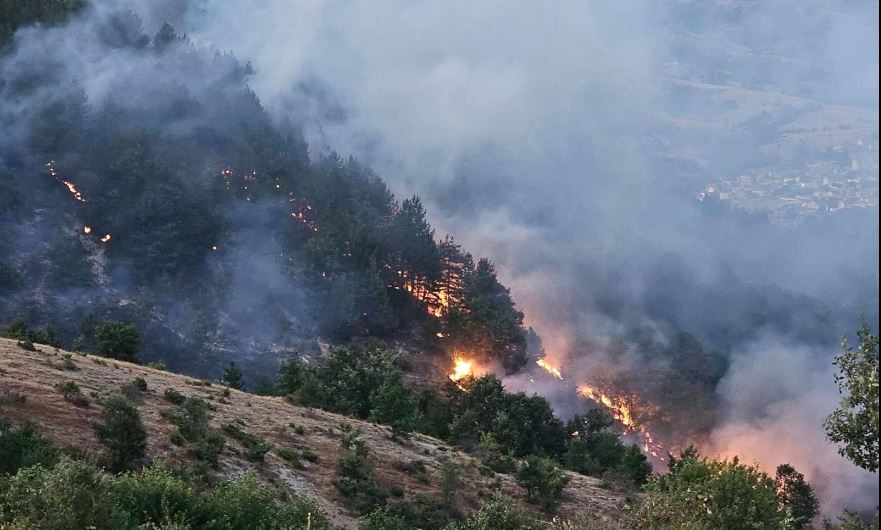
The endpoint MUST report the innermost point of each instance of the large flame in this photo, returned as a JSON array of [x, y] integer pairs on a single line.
[[462, 368], [623, 409], [551, 369]]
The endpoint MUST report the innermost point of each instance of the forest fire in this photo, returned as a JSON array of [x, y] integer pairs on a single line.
[[462, 369], [549, 368], [621, 408], [71, 187]]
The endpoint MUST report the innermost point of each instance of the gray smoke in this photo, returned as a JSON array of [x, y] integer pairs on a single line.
[[566, 141]]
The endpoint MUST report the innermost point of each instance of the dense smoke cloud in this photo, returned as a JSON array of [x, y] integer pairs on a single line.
[[566, 142], [769, 415]]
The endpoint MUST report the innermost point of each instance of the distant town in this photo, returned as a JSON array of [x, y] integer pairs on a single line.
[[845, 177]]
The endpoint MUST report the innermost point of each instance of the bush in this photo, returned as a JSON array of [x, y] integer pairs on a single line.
[[718, 494], [382, 519], [72, 394], [174, 396], [232, 377], [22, 447], [494, 456], [117, 341], [208, 449], [291, 456], [543, 480], [356, 482], [122, 434], [140, 383], [152, 495], [498, 514], [255, 446], [69, 495]]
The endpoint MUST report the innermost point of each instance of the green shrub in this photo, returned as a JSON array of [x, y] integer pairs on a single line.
[[497, 514], [382, 519], [69, 495], [543, 481], [246, 503], [72, 394], [717, 494], [152, 495], [255, 446], [291, 456], [117, 341], [23, 446], [140, 383], [122, 433], [208, 449], [356, 481], [174, 396]]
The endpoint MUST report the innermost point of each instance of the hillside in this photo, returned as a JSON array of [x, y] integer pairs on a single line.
[[34, 374]]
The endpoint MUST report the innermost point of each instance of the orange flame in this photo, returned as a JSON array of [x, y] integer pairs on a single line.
[[71, 187], [462, 368], [622, 410], [105, 239], [553, 370], [87, 229]]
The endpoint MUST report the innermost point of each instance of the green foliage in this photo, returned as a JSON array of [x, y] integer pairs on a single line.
[[15, 14], [191, 421], [26, 337], [247, 503], [796, 495], [423, 512], [23, 446], [854, 424], [382, 519], [140, 383], [26, 344], [634, 466], [449, 482], [355, 481], [232, 377], [494, 456], [705, 494], [255, 446], [291, 456], [497, 514], [71, 392], [543, 480], [75, 494], [393, 405], [69, 495], [519, 423], [122, 434], [117, 341], [851, 521], [485, 319], [174, 396]]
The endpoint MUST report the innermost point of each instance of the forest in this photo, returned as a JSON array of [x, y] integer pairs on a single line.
[[176, 223]]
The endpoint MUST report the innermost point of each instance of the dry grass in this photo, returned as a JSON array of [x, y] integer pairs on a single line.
[[34, 374]]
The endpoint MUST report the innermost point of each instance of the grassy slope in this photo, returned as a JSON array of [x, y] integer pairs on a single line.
[[33, 374]]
